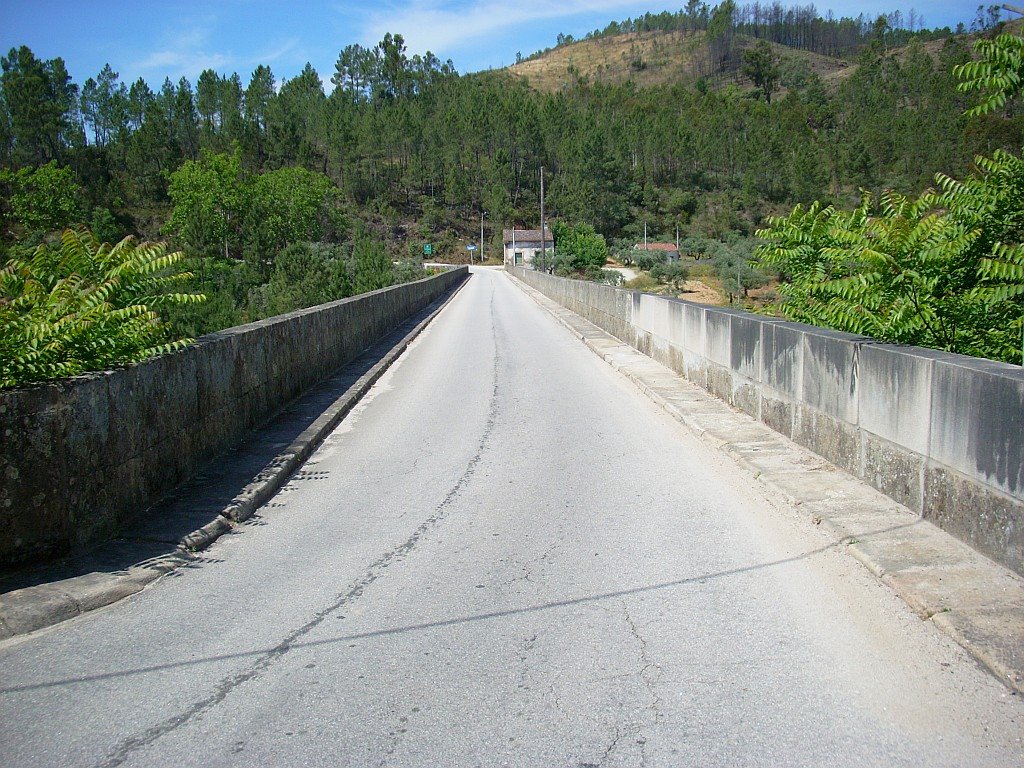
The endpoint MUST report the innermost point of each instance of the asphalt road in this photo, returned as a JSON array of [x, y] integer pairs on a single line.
[[506, 555]]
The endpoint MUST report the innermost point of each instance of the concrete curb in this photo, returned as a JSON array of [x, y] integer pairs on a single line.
[[977, 602], [33, 608]]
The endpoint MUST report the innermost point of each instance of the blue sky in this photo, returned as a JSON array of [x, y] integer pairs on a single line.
[[154, 39]]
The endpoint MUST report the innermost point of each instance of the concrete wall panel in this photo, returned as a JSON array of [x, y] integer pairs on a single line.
[[989, 521], [718, 336], [745, 339], [782, 357], [903, 416], [894, 470], [829, 377], [977, 421]]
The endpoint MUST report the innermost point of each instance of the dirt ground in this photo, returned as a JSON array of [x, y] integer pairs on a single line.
[[695, 290]]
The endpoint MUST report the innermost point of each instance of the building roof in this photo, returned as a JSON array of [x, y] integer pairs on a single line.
[[527, 235], [669, 247]]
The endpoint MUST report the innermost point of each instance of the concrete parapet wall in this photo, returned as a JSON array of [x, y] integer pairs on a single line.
[[942, 434], [80, 457]]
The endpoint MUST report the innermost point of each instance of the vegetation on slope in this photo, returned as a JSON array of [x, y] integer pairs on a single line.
[[279, 194]]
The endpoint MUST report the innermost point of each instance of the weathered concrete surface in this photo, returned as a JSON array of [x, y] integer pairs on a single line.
[[80, 458], [229, 491], [977, 602], [937, 432]]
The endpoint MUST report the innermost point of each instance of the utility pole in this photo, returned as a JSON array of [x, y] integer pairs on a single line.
[[482, 214], [543, 241], [645, 235]]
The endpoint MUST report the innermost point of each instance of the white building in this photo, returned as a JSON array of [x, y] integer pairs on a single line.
[[521, 245]]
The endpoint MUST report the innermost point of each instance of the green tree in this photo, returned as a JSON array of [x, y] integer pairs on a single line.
[[37, 201], [285, 206], [578, 247], [257, 98], [42, 103], [82, 305], [105, 106], [295, 123], [151, 151], [760, 66], [304, 275], [209, 204], [372, 266]]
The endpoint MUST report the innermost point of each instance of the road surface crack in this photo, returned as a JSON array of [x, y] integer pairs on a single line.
[[376, 569], [650, 674], [611, 747], [524, 668]]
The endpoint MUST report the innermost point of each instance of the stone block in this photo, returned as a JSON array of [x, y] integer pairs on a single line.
[[718, 338], [696, 367], [652, 314], [746, 395], [777, 414], [991, 522], [694, 329], [895, 471], [719, 381], [836, 440], [676, 359], [745, 351]]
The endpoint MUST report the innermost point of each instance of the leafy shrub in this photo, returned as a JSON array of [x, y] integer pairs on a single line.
[[929, 271], [673, 273], [599, 275], [945, 270], [647, 260], [37, 201], [641, 283], [81, 306], [578, 247]]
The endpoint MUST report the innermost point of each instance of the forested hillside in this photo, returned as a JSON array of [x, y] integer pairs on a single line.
[[269, 185]]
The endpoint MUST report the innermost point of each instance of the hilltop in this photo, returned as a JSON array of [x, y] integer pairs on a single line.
[[658, 58], [665, 57]]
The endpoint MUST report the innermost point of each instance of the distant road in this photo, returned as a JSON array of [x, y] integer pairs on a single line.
[[507, 556]]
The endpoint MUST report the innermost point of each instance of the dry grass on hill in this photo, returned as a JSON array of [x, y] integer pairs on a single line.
[[647, 59]]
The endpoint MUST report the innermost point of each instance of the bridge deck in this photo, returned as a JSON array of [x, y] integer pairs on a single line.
[[507, 555]]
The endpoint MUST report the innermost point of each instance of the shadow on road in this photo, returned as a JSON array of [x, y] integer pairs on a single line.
[[278, 650]]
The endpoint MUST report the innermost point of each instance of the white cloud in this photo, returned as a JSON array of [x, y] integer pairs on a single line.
[[184, 54], [441, 26], [278, 52]]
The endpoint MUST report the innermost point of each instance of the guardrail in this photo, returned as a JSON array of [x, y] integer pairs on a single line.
[[940, 433]]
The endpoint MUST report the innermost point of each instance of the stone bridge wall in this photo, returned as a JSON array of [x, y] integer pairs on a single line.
[[79, 457], [940, 433]]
